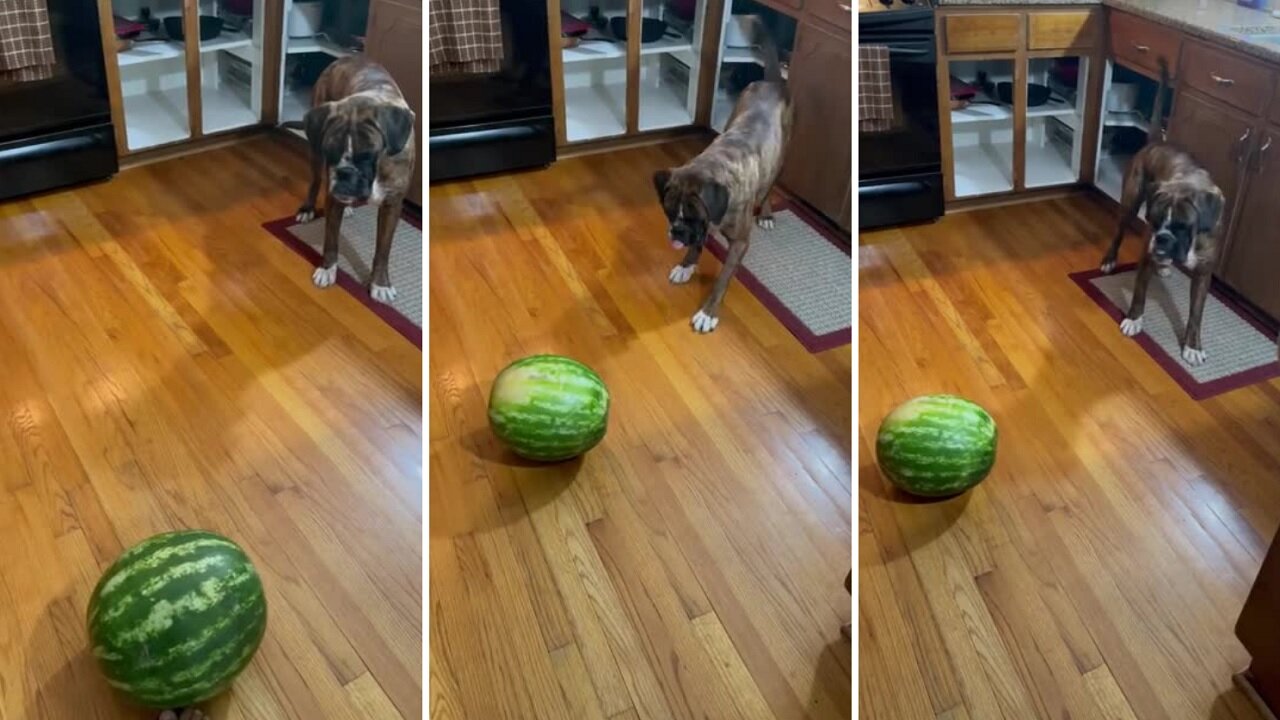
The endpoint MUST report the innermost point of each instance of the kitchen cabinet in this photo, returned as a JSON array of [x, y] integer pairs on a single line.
[[819, 164], [1142, 44], [1015, 99], [1253, 256], [1258, 632], [1219, 138], [395, 41]]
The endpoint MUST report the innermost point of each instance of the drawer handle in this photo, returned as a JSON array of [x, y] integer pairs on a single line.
[[1141, 48], [1261, 152], [1226, 82], [845, 7], [1241, 142]]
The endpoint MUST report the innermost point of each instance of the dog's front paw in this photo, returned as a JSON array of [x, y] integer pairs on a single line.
[[323, 277], [306, 214], [765, 223], [680, 274], [1131, 327], [348, 211], [383, 293], [1193, 356], [1108, 266], [704, 323]]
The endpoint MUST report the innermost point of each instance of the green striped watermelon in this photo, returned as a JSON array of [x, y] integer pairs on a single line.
[[549, 408], [177, 617], [936, 445]]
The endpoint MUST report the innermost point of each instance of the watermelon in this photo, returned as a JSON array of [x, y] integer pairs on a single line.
[[177, 617], [549, 408], [936, 445]]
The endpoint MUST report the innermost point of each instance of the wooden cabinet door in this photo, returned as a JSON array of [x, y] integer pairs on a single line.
[[819, 160], [1253, 258], [1218, 138], [395, 41]]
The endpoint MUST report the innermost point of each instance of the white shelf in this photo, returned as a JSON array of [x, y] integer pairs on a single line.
[[663, 106], [596, 50], [1109, 176], [226, 107], [983, 169], [154, 51], [987, 113], [297, 46], [156, 118], [1049, 165], [595, 111], [294, 104], [159, 117], [1127, 118]]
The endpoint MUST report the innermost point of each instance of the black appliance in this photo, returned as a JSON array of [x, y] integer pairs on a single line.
[[900, 168], [501, 121], [57, 131]]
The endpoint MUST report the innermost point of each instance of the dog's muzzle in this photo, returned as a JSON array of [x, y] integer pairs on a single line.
[[349, 185]]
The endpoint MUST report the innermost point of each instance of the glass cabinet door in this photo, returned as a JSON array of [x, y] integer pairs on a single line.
[[982, 126], [231, 64], [151, 55], [306, 53], [670, 62], [594, 56], [1055, 120]]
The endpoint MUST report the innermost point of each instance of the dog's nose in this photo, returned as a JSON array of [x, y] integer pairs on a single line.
[[346, 174]]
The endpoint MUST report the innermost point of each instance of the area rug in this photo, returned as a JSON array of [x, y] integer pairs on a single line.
[[803, 273], [359, 232], [1241, 350]]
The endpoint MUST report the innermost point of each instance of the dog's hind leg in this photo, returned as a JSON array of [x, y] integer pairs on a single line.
[[1192, 349], [765, 218], [1131, 198]]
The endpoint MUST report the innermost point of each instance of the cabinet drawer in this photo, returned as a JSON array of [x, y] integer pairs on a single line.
[[1140, 43], [836, 12], [1076, 30], [1231, 78], [983, 33]]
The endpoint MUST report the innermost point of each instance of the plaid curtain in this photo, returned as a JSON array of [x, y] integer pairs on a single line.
[[465, 37], [26, 44]]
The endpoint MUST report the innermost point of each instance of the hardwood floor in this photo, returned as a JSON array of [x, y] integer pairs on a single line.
[[691, 565], [1098, 572], [168, 364]]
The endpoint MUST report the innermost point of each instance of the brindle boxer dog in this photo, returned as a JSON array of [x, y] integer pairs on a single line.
[[718, 190], [1183, 209], [361, 131]]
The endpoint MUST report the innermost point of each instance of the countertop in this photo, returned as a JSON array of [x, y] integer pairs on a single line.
[[1216, 20]]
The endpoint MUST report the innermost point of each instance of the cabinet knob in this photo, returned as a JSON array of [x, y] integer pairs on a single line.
[[1240, 151], [1262, 151], [845, 7], [1141, 48], [1226, 82]]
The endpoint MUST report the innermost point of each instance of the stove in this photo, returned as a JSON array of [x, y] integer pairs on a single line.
[[900, 158]]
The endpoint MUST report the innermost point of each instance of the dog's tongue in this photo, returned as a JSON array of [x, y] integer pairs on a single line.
[[677, 244]]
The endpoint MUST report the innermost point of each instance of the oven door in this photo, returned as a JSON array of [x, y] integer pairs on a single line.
[[908, 143], [74, 94]]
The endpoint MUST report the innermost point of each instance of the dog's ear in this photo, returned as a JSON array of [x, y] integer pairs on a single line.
[[660, 180], [1208, 210], [314, 123], [396, 123], [715, 197]]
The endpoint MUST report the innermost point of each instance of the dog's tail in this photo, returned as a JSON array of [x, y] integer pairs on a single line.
[[769, 49], [1155, 132]]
